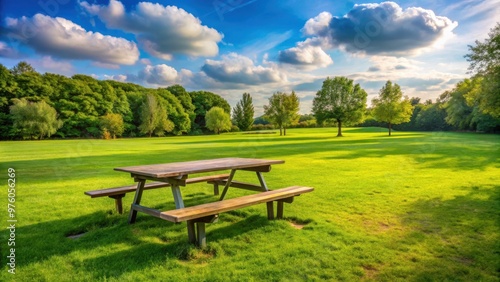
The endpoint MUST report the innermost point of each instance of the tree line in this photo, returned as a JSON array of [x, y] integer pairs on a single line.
[[34, 105]]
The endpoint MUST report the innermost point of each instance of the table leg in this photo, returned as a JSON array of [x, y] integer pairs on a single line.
[[176, 191], [262, 181], [228, 183], [137, 200]]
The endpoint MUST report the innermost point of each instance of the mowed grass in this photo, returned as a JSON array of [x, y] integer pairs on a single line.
[[411, 207]]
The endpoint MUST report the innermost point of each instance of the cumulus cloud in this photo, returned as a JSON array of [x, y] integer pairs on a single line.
[[161, 30], [234, 68], [306, 55], [383, 28], [62, 38], [158, 75]]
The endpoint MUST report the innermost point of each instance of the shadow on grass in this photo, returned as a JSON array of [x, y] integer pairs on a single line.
[[456, 237], [111, 247]]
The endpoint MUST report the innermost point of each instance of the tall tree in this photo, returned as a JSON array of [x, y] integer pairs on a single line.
[[340, 100], [390, 107], [283, 110], [34, 119], [154, 118], [243, 112], [218, 120], [485, 61]]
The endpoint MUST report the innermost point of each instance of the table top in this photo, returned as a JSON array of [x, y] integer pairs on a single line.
[[185, 168]]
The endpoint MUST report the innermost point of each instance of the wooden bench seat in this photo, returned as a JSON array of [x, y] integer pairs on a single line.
[[118, 193], [206, 213]]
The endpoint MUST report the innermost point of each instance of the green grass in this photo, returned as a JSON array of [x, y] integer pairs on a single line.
[[411, 207]]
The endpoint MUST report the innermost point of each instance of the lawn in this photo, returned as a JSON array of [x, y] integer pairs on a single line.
[[411, 207]]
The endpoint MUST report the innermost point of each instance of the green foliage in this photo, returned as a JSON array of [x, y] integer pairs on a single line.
[[21, 68], [339, 100], [485, 62], [243, 113], [175, 110], [218, 120], [390, 107], [34, 119], [113, 124], [282, 110], [203, 101], [154, 117], [185, 100]]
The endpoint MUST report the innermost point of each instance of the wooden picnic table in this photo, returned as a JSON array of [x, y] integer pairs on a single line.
[[177, 173]]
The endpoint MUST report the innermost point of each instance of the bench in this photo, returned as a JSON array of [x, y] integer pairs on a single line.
[[117, 193], [207, 213]]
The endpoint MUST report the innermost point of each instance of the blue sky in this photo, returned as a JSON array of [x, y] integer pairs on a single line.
[[234, 46]]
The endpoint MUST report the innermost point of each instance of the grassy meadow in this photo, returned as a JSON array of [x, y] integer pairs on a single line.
[[411, 207]]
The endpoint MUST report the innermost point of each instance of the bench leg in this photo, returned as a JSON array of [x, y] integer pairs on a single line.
[[279, 214], [191, 232], [270, 210], [216, 188], [118, 202], [202, 237], [137, 200]]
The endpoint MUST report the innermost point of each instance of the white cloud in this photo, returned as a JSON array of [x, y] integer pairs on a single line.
[[238, 69], [383, 28], [307, 55], [162, 30], [62, 38], [158, 75]]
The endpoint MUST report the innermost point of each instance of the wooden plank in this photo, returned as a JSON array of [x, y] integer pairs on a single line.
[[153, 185], [266, 168], [185, 168], [203, 210]]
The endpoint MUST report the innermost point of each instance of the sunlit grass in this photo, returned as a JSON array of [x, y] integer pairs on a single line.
[[414, 206]]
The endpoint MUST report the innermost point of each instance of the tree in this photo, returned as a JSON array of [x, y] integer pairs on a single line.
[[218, 120], [203, 101], [112, 123], [283, 110], [390, 107], [34, 119], [461, 114], [243, 113], [485, 61], [154, 117], [22, 67], [339, 100]]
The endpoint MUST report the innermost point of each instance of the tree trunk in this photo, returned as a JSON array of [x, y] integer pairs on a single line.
[[339, 134], [390, 125], [281, 130], [284, 131]]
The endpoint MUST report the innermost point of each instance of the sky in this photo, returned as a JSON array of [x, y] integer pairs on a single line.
[[230, 47]]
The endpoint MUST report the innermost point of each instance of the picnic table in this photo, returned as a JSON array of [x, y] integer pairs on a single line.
[[177, 174]]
